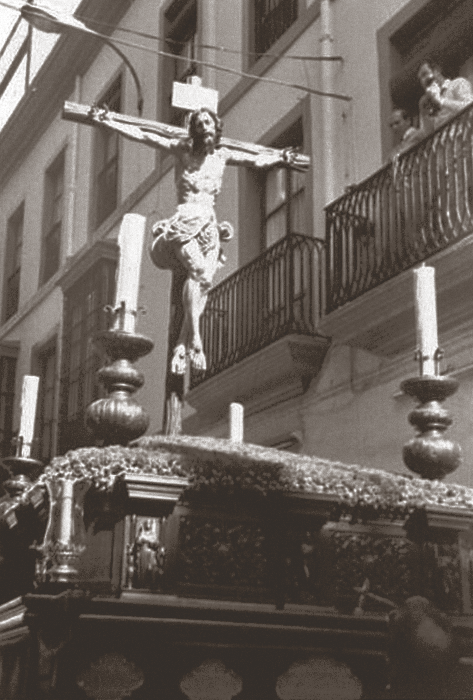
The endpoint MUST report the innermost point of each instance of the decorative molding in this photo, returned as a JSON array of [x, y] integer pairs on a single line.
[[111, 677], [162, 491], [319, 678], [212, 680]]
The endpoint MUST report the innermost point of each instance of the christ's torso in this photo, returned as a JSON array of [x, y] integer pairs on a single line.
[[199, 177]]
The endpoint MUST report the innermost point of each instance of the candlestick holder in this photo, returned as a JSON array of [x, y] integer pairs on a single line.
[[119, 418], [422, 359], [22, 470], [429, 453]]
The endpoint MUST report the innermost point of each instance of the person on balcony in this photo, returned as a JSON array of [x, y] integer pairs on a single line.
[[443, 98], [405, 133], [446, 195]]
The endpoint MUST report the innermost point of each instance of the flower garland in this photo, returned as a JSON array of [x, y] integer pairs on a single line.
[[104, 465], [220, 466]]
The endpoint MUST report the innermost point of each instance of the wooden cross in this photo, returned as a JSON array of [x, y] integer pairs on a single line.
[[188, 96]]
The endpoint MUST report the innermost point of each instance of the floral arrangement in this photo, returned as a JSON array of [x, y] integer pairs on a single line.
[[104, 465], [221, 466]]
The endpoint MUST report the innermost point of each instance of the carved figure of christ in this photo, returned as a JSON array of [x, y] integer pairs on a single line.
[[191, 238]]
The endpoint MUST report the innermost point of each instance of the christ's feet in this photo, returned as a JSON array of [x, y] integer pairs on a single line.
[[197, 358], [178, 362]]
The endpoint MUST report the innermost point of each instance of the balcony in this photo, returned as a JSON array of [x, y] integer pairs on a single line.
[[273, 303], [418, 209]]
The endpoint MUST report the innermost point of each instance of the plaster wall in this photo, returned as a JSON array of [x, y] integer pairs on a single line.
[[366, 421], [35, 329], [27, 184], [230, 33]]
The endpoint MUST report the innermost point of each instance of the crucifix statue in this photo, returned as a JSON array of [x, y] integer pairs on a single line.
[[190, 241]]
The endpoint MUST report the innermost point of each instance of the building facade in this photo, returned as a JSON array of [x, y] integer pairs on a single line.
[[311, 323]]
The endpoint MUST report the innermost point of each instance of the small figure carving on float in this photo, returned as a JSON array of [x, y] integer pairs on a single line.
[[148, 554]]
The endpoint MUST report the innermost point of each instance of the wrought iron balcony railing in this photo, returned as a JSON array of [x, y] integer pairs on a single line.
[[276, 294], [401, 215]]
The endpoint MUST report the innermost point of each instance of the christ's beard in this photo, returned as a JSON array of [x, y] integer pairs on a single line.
[[204, 144]]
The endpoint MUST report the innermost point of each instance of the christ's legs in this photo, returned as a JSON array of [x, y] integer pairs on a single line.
[[201, 270]]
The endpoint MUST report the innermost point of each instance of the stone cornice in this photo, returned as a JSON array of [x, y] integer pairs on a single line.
[[72, 55]]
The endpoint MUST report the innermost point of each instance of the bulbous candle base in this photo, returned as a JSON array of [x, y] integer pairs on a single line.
[[430, 454]]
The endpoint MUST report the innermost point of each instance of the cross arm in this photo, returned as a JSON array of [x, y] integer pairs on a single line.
[[239, 152], [84, 114], [242, 153]]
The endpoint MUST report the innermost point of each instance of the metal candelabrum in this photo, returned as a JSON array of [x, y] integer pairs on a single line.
[[118, 418], [430, 454]]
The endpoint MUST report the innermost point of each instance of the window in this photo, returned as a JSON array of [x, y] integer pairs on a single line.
[[7, 400], [106, 159], [84, 317], [271, 19], [441, 31], [46, 360], [14, 244], [52, 218], [284, 194], [181, 37]]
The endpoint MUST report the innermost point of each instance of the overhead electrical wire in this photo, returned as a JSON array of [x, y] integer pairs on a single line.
[[223, 49], [207, 64], [225, 69]]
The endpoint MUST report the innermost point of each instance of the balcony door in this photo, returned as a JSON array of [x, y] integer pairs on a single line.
[[284, 193]]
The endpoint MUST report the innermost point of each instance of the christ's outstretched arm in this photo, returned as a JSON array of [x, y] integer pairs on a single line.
[[267, 158], [101, 117]]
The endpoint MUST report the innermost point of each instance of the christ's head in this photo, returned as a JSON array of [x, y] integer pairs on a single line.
[[205, 129]]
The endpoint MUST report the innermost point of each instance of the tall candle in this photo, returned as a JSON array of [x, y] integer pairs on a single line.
[[236, 422], [130, 241], [29, 397], [426, 316]]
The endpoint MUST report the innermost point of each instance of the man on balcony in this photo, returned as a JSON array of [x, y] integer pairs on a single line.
[[406, 134], [446, 194], [442, 98]]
